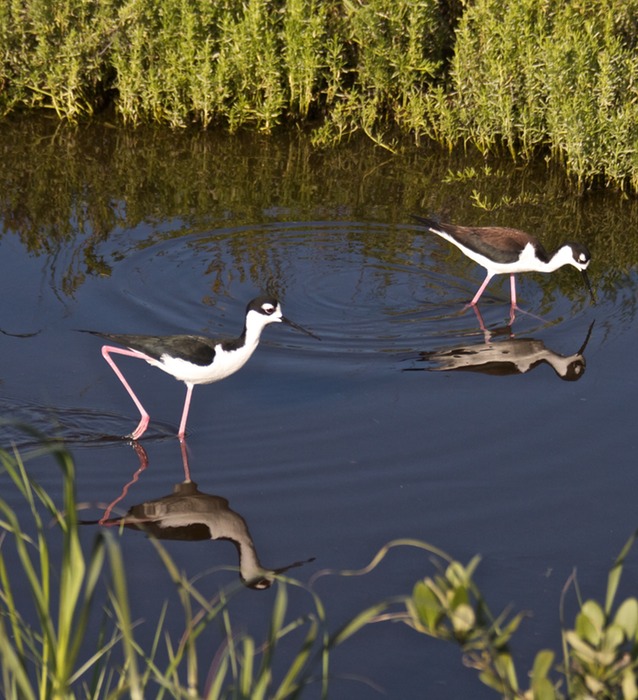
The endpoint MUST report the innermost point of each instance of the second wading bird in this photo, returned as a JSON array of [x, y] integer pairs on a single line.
[[194, 359], [508, 251]]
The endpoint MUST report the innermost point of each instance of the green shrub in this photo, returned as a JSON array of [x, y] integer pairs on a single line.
[[55, 55], [534, 77], [592, 92], [395, 51], [496, 78], [540, 75]]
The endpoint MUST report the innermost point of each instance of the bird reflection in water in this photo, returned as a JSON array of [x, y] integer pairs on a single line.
[[189, 514], [506, 357]]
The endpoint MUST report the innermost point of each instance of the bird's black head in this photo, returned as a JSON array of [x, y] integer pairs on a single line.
[[269, 310], [581, 254], [580, 259], [265, 305]]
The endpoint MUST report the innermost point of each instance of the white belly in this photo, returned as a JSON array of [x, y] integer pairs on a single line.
[[225, 364]]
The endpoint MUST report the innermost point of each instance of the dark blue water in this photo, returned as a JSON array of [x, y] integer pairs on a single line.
[[330, 449]]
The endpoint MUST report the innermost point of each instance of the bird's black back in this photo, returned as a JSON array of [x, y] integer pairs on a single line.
[[193, 348]]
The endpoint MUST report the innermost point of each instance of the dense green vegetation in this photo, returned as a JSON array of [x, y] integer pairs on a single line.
[[531, 77], [49, 650]]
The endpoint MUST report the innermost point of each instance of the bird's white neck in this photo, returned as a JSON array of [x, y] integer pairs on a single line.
[[252, 335], [563, 256], [255, 324], [528, 262]]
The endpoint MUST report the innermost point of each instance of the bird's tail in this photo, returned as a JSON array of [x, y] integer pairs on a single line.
[[429, 222]]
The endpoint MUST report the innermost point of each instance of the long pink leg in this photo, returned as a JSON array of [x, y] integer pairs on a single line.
[[515, 307], [187, 403], [477, 296], [144, 420]]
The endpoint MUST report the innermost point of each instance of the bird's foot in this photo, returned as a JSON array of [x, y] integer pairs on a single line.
[[140, 430]]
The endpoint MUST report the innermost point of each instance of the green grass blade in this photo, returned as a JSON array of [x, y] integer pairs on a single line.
[[121, 606], [291, 681], [9, 603], [613, 580], [13, 666], [246, 671], [217, 685], [276, 623], [356, 623]]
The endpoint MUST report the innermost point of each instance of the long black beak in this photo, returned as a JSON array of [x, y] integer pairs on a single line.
[[288, 322], [588, 284]]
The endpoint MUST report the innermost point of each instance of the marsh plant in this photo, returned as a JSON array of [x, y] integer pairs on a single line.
[[546, 75], [54, 648], [600, 652], [532, 77]]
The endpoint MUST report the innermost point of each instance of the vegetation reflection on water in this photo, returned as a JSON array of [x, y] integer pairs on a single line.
[[65, 187]]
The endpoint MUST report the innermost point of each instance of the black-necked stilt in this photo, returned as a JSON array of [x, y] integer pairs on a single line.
[[194, 359], [508, 251]]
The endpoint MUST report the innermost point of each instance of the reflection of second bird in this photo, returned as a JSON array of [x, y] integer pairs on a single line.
[[507, 357], [503, 250], [194, 359]]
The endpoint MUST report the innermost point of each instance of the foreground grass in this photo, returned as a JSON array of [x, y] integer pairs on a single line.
[[50, 651], [531, 77]]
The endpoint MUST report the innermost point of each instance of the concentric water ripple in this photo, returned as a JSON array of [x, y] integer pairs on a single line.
[[366, 289]]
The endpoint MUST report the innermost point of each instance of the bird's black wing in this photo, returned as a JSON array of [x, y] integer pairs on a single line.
[[503, 245], [194, 348]]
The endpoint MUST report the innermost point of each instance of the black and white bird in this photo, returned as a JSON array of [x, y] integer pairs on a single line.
[[194, 359], [508, 251]]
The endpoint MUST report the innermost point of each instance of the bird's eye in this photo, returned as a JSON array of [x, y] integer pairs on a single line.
[[268, 308], [583, 257]]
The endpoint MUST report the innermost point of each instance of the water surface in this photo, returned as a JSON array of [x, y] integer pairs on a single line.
[[391, 426]]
